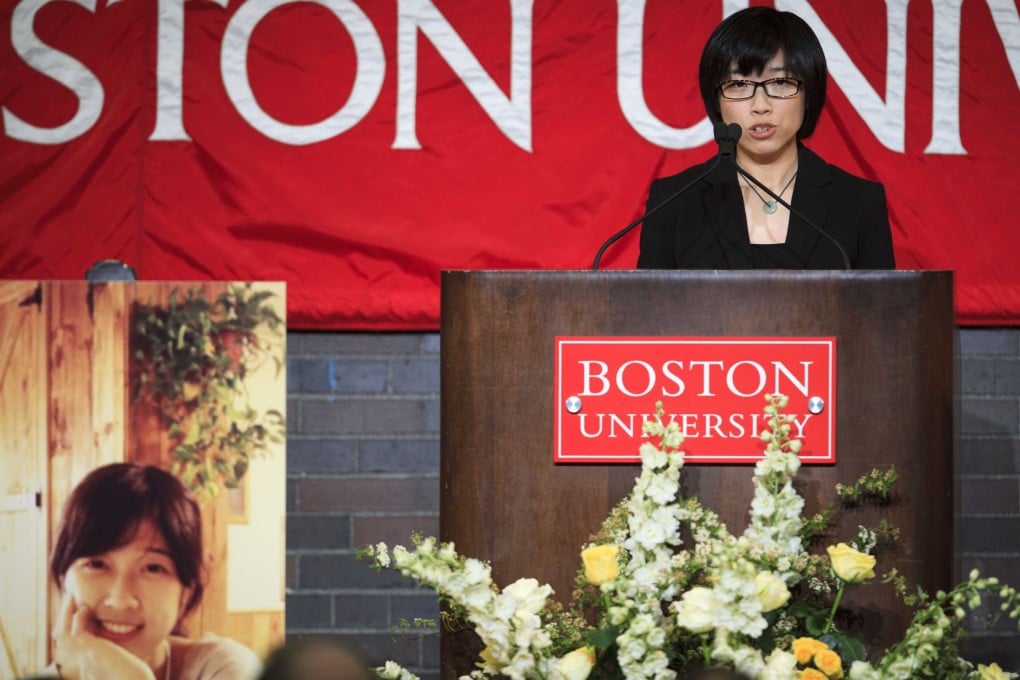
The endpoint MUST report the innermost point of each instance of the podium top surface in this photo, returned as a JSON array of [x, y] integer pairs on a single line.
[[698, 274]]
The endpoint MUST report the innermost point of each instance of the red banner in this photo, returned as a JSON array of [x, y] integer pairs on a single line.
[[355, 148]]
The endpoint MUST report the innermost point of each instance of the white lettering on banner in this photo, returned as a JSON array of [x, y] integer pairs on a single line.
[[744, 378], [630, 87], [946, 74], [63, 68], [1006, 17], [512, 116], [170, 70], [692, 425], [368, 77], [945, 96], [629, 80], [886, 117]]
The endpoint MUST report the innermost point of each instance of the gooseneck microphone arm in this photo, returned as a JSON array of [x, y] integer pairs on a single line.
[[750, 178], [724, 137]]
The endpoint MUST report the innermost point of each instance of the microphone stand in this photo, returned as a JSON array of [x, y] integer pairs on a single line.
[[724, 136]]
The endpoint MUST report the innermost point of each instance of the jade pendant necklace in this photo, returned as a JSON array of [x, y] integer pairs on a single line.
[[772, 205]]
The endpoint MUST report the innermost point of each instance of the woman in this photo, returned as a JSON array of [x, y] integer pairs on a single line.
[[765, 70], [128, 562]]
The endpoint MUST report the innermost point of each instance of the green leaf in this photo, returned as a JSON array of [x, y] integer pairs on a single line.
[[803, 610], [851, 649], [604, 637], [848, 647], [816, 623], [831, 639]]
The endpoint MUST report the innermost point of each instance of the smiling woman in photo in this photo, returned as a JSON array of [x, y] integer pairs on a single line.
[[128, 562]]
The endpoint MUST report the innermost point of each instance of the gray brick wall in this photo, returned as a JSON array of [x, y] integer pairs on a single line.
[[989, 521], [363, 466]]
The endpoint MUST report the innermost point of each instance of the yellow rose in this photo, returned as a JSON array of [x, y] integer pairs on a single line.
[[992, 672], [577, 664], [829, 663], [850, 565], [811, 674], [771, 591], [805, 648], [600, 563]]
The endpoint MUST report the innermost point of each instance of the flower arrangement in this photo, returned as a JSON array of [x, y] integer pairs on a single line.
[[646, 606]]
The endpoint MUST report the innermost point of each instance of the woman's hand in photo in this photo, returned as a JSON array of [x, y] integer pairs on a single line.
[[80, 654]]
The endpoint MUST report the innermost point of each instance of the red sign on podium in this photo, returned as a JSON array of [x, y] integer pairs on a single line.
[[713, 387]]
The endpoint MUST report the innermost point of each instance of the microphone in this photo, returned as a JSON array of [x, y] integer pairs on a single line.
[[726, 136], [751, 178]]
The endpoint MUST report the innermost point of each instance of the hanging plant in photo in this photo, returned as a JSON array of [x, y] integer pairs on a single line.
[[189, 360]]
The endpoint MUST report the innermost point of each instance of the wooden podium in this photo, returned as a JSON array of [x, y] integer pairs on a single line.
[[503, 499]]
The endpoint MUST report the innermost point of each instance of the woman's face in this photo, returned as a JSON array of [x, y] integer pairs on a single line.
[[133, 592], [769, 124]]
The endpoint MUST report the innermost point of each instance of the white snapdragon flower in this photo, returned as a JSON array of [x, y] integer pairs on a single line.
[[780, 665], [738, 608], [656, 666], [649, 535], [645, 578], [427, 546], [661, 489], [639, 649], [630, 647], [393, 671], [862, 670], [652, 457], [401, 557], [900, 669], [448, 552], [745, 659], [381, 553], [763, 505], [776, 509], [520, 665], [476, 597], [527, 595]]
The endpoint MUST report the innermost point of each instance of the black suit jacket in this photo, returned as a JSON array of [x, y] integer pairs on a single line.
[[705, 228]]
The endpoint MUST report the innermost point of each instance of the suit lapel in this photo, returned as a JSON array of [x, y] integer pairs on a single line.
[[723, 204], [809, 199]]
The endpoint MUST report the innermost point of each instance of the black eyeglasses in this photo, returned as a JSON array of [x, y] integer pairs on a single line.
[[777, 88]]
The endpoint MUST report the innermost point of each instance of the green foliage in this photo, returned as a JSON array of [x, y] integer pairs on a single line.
[[848, 647], [816, 525], [413, 629], [929, 649], [876, 485], [189, 359]]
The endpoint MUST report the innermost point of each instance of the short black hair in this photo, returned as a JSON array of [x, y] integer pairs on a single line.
[[106, 508], [749, 39]]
